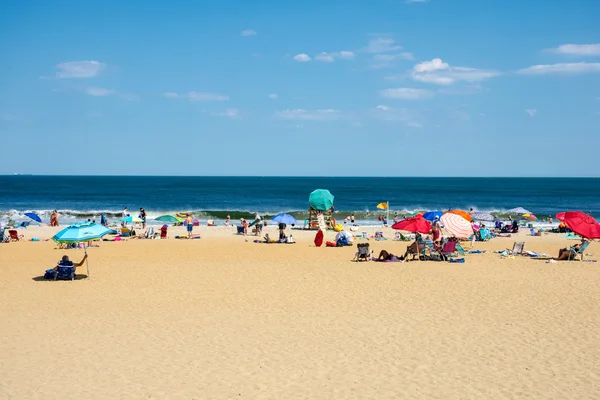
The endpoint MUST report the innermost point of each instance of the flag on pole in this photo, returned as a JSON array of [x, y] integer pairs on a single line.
[[382, 206]]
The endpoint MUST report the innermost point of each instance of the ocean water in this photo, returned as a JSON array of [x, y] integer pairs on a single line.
[[82, 197]]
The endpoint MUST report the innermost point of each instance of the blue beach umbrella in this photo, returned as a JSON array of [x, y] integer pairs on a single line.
[[81, 232], [33, 216], [430, 215], [284, 218]]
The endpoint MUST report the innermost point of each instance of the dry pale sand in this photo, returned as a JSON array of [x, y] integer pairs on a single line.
[[222, 318]]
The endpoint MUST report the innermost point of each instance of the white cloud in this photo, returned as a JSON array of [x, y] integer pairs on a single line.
[[346, 55], [79, 69], [383, 108], [228, 113], [310, 115], [577, 49], [440, 73], [406, 93], [561, 68], [382, 45], [397, 114], [532, 112], [197, 96], [249, 32], [98, 91], [273, 96], [302, 57], [324, 57]]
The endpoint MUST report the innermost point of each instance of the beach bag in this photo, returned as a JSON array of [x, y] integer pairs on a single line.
[[50, 274], [330, 244]]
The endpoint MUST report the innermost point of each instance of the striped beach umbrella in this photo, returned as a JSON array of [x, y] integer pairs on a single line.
[[482, 216], [456, 225], [462, 213]]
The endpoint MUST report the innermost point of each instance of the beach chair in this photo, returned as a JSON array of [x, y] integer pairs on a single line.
[[65, 271], [13, 235], [127, 232], [149, 233], [484, 235], [518, 248], [240, 230], [24, 224], [449, 249], [363, 252], [163, 232], [574, 253]]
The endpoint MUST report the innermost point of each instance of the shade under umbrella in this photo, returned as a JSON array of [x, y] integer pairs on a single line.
[[430, 215], [462, 213], [167, 218], [82, 232], [482, 216], [582, 224], [284, 219], [457, 226], [413, 225], [321, 199], [33, 216]]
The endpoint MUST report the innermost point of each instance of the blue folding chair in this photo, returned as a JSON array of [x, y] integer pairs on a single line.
[[573, 253]]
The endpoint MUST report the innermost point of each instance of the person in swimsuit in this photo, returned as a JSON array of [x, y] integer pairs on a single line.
[[190, 225]]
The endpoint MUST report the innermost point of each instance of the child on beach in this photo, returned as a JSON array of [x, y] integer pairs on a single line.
[[190, 225]]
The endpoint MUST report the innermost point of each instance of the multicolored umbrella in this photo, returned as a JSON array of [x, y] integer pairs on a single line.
[[529, 216], [414, 225], [462, 213], [81, 233], [321, 199], [582, 224], [482, 216], [456, 225]]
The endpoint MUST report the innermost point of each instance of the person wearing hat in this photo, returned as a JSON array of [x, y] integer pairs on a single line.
[[435, 229]]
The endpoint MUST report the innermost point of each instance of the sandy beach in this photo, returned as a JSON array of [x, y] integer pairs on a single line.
[[224, 318]]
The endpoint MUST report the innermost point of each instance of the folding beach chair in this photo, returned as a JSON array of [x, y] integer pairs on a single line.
[[363, 252], [240, 230], [65, 272], [13, 235], [518, 248], [574, 253], [127, 232], [449, 249]]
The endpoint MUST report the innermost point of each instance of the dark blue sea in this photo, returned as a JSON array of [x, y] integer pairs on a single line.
[[83, 197]]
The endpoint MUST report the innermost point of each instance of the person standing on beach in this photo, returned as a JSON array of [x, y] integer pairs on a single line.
[[257, 225], [190, 225], [54, 218], [143, 217], [227, 220], [124, 216]]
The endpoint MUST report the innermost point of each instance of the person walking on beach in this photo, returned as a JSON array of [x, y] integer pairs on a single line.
[[190, 225], [143, 217], [54, 218]]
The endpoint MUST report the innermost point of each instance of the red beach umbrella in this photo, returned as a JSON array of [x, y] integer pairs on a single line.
[[561, 216], [413, 224], [582, 224]]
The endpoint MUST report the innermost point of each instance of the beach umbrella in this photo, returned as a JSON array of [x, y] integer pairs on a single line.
[[167, 218], [321, 199], [518, 210], [457, 226], [482, 216], [131, 218], [462, 213], [582, 224], [81, 233], [430, 215], [285, 219], [561, 216], [33, 216], [413, 225], [529, 216]]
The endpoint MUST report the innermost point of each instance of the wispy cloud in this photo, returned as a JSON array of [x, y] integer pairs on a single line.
[[576, 49], [273, 96], [382, 45], [404, 115], [98, 91], [79, 69], [324, 57], [197, 96], [440, 73], [310, 115], [561, 68], [381, 61], [248, 32], [406, 93], [531, 111], [329, 57], [228, 113], [302, 57]]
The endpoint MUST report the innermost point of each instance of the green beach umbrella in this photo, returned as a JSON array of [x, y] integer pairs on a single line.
[[167, 218], [321, 199]]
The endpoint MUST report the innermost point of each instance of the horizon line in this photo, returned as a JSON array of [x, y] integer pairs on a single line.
[[302, 176]]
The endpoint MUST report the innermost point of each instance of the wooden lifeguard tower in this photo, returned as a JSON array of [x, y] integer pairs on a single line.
[[320, 210], [313, 218]]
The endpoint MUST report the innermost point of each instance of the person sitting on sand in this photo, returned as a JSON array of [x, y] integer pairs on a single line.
[[415, 247], [565, 254], [385, 256]]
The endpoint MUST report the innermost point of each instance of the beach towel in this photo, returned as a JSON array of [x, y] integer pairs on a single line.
[[457, 260], [319, 238]]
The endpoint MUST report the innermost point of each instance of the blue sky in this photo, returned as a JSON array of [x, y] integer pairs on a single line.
[[379, 87]]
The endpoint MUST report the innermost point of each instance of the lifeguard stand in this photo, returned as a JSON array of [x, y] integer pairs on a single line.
[[313, 218]]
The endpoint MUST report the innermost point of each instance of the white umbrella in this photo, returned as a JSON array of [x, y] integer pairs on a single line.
[[457, 226]]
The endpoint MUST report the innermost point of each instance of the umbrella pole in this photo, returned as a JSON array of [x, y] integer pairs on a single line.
[[87, 265]]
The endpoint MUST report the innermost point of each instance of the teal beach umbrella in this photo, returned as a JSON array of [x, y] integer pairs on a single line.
[[321, 199], [167, 218], [81, 233]]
